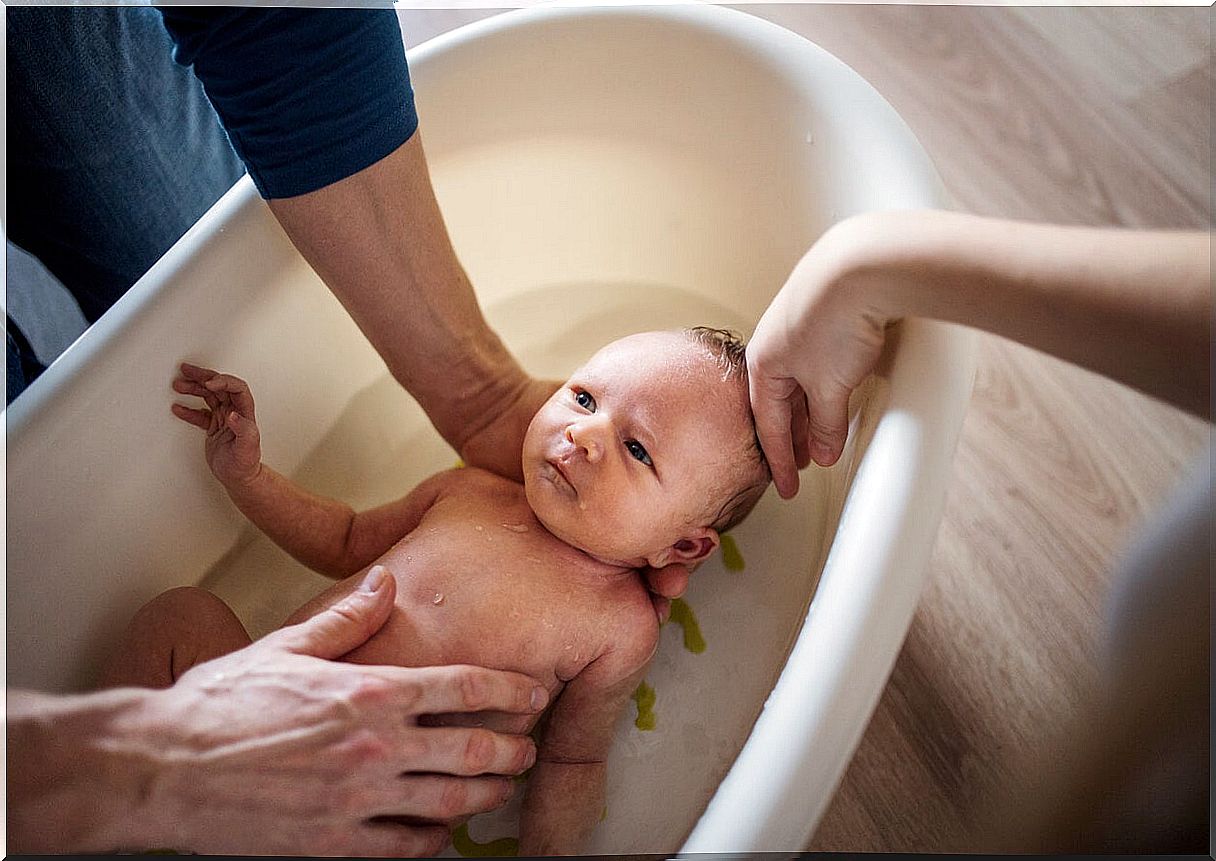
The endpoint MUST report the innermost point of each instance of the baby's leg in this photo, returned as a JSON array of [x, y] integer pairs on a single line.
[[170, 634]]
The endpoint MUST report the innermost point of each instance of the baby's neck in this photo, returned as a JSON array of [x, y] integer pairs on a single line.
[[598, 567]]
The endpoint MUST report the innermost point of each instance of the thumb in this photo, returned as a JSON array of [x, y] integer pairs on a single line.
[[349, 623]]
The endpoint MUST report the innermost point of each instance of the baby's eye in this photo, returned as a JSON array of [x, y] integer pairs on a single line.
[[638, 452], [585, 401]]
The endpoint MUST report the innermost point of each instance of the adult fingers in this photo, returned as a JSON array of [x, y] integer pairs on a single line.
[[799, 430], [827, 425], [388, 839], [468, 751], [668, 582], [772, 412], [347, 624], [462, 688], [441, 798]]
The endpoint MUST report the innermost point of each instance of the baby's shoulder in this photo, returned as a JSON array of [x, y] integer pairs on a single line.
[[633, 625]]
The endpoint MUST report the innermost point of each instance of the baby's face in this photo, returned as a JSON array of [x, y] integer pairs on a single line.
[[627, 459]]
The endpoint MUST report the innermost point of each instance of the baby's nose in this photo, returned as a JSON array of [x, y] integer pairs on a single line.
[[584, 437]]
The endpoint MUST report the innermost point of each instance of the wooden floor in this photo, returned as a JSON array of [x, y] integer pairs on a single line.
[[1073, 115]]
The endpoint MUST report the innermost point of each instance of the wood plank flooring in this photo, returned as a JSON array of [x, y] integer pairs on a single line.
[[1071, 115]]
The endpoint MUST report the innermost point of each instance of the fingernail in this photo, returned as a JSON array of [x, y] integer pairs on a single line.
[[530, 758], [822, 453], [539, 697], [373, 580]]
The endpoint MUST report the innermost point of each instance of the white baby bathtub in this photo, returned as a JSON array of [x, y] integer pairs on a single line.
[[602, 170]]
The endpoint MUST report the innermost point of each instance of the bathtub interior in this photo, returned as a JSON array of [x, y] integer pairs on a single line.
[[601, 172]]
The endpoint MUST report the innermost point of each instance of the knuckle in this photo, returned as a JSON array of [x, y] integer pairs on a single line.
[[408, 694], [371, 691], [473, 691], [479, 751], [364, 748], [453, 799]]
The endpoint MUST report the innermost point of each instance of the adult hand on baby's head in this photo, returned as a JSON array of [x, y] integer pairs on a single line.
[[277, 749], [820, 337]]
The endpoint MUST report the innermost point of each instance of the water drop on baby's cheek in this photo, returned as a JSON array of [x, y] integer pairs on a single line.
[[515, 527], [438, 599]]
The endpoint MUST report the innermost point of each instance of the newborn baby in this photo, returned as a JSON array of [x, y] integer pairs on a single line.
[[643, 457]]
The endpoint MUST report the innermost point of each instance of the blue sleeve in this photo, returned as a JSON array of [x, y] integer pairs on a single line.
[[307, 96]]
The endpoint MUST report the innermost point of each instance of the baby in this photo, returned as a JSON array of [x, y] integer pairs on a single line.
[[643, 457]]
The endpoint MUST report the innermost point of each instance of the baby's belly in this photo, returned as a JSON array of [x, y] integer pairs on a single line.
[[390, 648], [484, 593]]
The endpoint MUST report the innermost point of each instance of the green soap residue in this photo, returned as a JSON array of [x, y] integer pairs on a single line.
[[682, 615], [645, 721], [731, 557], [503, 847], [604, 813], [459, 464]]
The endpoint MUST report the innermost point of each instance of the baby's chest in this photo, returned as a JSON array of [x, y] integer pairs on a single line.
[[498, 592]]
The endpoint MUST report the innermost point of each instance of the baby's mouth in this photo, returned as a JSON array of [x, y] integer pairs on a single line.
[[562, 477]]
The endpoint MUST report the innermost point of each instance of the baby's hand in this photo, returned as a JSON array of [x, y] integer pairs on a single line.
[[233, 448]]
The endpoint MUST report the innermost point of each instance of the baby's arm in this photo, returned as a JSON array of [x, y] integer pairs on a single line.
[[565, 796], [324, 534]]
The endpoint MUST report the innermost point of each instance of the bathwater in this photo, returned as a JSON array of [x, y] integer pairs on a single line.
[[717, 660]]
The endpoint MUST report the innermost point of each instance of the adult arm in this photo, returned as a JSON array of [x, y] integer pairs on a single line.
[[1132, 305], [319, 105], [379, 241], [269, 750]]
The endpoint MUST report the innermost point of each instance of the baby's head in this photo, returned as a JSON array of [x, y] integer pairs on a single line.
[[648, 452]]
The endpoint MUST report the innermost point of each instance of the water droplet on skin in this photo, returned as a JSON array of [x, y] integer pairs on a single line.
[[479, 527], [515, 527], [438, 599]]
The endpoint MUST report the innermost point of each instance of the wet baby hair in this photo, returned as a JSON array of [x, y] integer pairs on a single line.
[[730, 350]]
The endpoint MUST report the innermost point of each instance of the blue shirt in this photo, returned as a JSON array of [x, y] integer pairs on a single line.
[[307, 96]]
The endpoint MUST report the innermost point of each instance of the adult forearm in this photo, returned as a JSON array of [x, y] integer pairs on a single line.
[[379, 241], [1132, 305], [74, 785]]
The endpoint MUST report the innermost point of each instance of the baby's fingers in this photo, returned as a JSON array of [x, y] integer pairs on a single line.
[[244, 428], [198, 418], [194, 372], [235, 389]]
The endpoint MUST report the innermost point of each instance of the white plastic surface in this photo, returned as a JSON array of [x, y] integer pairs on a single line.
[[602, 170]]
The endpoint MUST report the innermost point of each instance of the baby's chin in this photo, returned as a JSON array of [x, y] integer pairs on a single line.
[[584, 536]]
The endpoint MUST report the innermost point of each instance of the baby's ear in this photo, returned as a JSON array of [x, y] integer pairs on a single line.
[[689, 550]]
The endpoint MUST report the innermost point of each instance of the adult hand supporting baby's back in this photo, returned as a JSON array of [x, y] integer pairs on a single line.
[[272, 749]]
